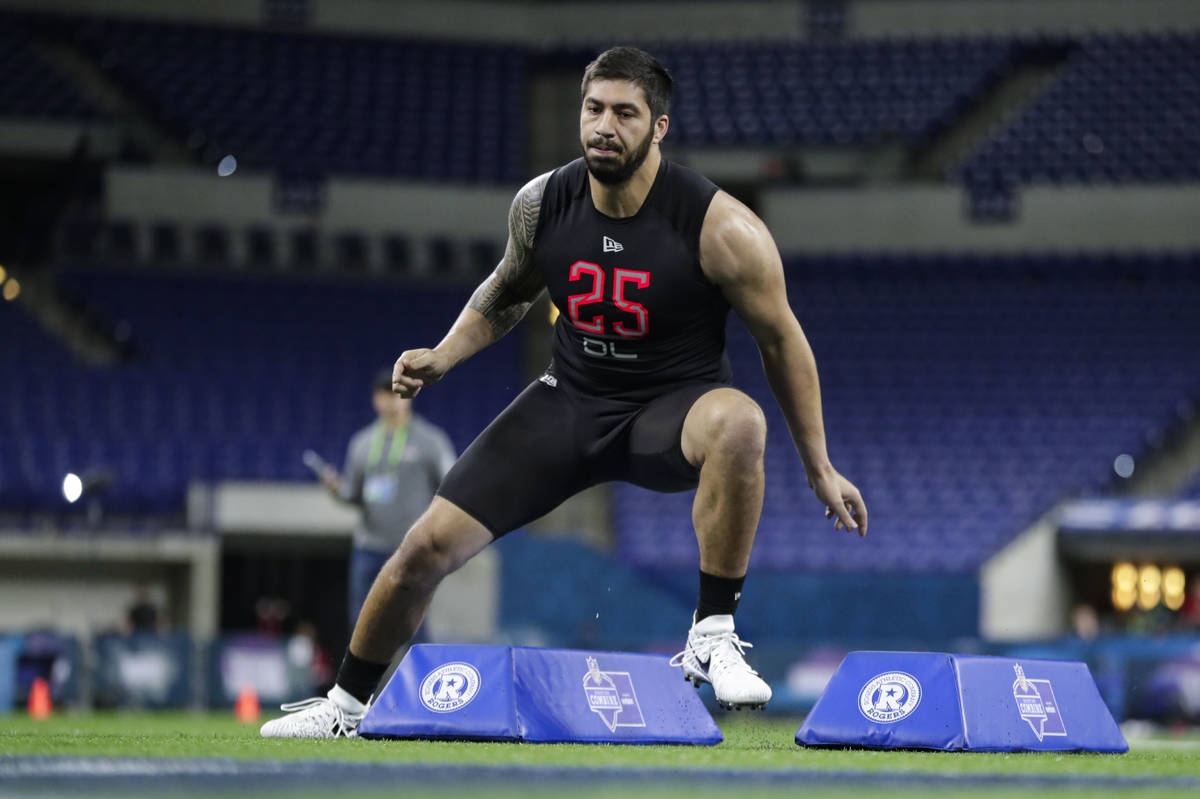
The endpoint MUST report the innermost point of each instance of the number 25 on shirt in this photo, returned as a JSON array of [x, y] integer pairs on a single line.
[[635, 327]]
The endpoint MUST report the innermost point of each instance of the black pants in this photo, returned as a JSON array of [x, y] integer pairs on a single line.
[[553, 441]]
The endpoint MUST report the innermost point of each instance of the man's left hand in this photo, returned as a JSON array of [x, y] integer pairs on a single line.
[[843, 500]]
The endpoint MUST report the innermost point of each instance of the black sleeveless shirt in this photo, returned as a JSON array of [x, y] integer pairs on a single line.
[[635, 310]]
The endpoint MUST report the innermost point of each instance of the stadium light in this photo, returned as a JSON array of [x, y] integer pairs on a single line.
[[3, 274], [1149, 587], [1174, 587], [227, 166], [1123, 600], [1124, 586], [90, 487], [72, 487], [12, 289], [1123, 465]]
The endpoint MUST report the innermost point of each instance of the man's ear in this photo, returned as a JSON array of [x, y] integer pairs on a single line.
[[660, 128]]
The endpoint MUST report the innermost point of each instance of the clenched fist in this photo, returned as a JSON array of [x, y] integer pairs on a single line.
[[416, 369]]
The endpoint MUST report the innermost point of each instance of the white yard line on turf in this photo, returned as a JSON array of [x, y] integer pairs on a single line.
[[1154, 743]]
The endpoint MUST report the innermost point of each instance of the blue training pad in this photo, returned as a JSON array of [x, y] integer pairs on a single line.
[[930, 700], [500, 693]]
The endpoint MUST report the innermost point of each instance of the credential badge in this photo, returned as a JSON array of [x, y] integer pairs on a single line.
[[610, 695], [450, 687], [1037, 705], [889, 697]]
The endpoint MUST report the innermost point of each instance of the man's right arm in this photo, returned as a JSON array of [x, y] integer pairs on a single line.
[[499, 302]]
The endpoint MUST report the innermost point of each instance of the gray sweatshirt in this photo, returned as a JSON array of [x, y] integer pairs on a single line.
[[392, 476]]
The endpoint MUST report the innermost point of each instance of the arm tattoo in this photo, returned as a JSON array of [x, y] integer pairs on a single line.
[[506, 294]]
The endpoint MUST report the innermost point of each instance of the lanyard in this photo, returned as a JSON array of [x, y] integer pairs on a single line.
[[395, 452]]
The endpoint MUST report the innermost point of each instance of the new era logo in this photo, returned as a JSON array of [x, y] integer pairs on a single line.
[[611, 245]]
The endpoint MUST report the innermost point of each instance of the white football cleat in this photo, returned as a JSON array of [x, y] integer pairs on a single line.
[[319, 717], [714, 654]]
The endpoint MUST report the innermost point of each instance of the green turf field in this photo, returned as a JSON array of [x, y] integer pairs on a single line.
[[755, 745]]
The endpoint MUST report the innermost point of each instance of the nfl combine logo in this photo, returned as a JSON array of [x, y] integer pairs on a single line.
[[889, 697], [1037, 705], [610, 696], [450, 687]]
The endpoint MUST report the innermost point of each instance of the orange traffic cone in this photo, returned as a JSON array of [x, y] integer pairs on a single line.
[[246, 708], [40, 704]]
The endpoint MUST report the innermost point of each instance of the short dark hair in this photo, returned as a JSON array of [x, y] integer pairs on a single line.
[[637, 67], [382, 380]]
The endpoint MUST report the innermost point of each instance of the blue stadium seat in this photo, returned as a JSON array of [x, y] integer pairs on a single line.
[[31, 87], [828, 93], [1122, 109], [325, 103]]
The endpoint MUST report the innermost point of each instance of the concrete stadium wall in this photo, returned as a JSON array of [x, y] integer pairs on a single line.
[[198, 196], [38, 138], [84, 585], [533, 23], [528, 23], [874, 18], [192, 195], [244, 12], [1024, 589], [933, 219], [599, 22], [422, 213], [895, 219]]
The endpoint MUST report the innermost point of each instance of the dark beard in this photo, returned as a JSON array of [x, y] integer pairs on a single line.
[[614, 173]]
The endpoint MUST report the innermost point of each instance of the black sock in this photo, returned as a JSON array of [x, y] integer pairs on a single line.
[[359, 677], [718, 595]]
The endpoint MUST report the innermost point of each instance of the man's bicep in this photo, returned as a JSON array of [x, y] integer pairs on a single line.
[[740, 256]]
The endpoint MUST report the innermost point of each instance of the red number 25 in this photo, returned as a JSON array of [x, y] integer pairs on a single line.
[[620, 277]]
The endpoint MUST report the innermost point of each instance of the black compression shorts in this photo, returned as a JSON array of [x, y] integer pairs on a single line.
[[553, 441]]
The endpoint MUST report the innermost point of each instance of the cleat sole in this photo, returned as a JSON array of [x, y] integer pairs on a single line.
[[741, 706]]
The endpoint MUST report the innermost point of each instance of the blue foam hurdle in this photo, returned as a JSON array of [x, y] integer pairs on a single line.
[[502, 693], [928, 700]]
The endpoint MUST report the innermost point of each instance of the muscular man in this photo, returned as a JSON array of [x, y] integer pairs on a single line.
[[643, 259]]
